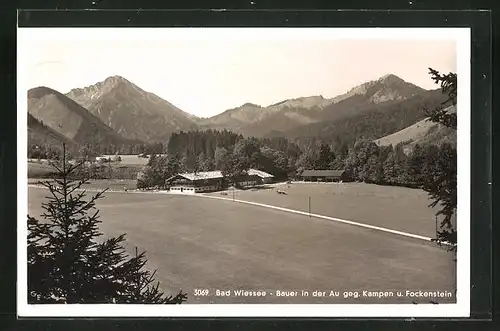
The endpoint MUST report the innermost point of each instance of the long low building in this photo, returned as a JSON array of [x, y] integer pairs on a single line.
[[322, 175], [206, 181], [263, 176]]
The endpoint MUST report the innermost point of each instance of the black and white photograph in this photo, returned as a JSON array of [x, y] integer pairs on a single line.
[[243, 171]]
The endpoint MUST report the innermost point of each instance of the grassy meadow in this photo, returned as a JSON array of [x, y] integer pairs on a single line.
[[200, 243], [126, 169], [392, 207]]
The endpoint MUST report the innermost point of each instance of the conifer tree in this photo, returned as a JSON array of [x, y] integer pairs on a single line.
[[390, 168], [174, 165], [326, 156], [415, 164], [220, 155], [69, 261], [442, 187], [448, 83], [233, 168], [199, 164], [208, 164]]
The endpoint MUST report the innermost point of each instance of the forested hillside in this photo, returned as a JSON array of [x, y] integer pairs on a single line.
[[423, 132], [43, 142], [372, 122]]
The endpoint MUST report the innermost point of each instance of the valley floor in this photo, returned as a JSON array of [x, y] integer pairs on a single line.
[[198, 243], [397, 208]]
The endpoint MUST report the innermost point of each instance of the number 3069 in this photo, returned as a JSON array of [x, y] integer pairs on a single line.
[[200, 292]]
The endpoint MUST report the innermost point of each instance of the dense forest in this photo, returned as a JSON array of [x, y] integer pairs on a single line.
[[208, 150], [371, 123], [205, 150], [363, 160]]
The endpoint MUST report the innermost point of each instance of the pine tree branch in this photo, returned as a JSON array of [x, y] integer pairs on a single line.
[[58, 201], [89, 204]]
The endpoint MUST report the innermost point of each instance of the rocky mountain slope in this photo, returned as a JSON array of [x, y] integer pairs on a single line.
[[59, 118], [287, 115], [131, 111]]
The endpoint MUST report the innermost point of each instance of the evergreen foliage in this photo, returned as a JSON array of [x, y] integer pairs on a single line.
[[442, 187], [448, 83], [363, 160], [233, 168], [69, 261]]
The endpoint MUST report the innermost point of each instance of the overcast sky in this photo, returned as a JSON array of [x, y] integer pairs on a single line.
[[206, 71]]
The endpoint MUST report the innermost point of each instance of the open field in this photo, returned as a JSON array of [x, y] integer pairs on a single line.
[[126, 159], [396, 208], [125, 171], [131, 159], [119, 170], [39, 170], [101, 184], [200, 243]]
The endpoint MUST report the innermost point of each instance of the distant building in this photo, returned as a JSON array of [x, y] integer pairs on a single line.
[[206, 181], [263, 177], [322, 175]]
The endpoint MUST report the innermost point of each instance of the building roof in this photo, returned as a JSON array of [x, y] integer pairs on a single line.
[[202, 175], [322, 173], [260, 173], [218, 174]]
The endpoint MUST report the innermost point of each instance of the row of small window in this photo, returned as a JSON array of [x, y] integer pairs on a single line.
[[191, 189]]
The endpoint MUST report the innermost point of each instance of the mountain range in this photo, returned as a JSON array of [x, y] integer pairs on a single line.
[[278, 119], [116, 111], [52, 114]]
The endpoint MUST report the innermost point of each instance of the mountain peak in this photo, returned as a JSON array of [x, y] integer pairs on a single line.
[[40, 91], [99, 88], [385, 88], [131, 111], [386, 76], [116, 79], [110, 81], [390, 79]]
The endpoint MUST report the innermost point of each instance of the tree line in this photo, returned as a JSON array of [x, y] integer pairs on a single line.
[[362, 161]]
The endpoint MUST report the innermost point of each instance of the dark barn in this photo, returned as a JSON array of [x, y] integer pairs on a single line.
[[322, 175]]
